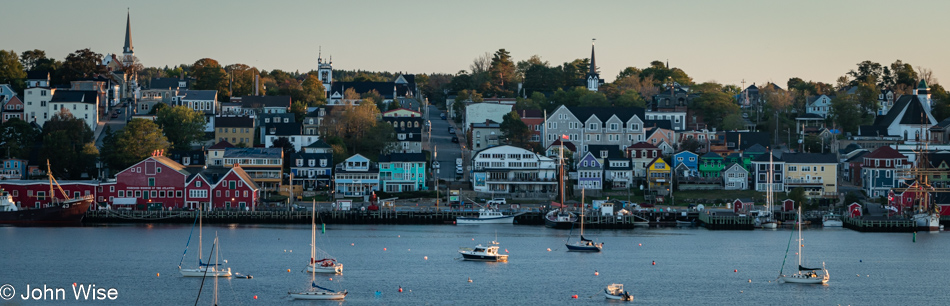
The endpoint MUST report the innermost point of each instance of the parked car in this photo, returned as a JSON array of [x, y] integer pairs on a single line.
[[496, 201], [459, 170], [115, 115], [451, 130], [455, 139], [442, 115]]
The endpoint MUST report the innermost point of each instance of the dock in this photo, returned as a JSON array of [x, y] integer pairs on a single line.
[[862, 224], [725, 221]]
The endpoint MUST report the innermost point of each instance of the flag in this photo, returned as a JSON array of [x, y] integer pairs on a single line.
[[565, 137]]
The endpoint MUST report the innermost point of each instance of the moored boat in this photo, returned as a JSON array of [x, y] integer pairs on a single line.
[[59, 211], [560, 219], [483, 253], [831, 220], [804, 275], [616, 292], [487, 216]]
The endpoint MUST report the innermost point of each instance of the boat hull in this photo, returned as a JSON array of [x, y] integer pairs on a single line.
[[66, 213], [617, 297], [584, 248], [498, 220], [928, 222], [769, 225], [201, 273], [318, 295], [334, 269], [476, 257], [832, 223], [805, 280], [564, 220]]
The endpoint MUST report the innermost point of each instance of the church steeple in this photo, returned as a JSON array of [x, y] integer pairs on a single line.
[[127, 50], [593, 78]]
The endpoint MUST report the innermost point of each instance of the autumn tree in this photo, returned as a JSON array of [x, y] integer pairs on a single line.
[[313, 92], [241, 78], [11, 71], [716, 106], [65, 140], [845, 112], [181, 125], [209, 75]]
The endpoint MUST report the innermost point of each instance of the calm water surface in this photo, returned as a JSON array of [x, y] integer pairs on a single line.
[[693, 265]]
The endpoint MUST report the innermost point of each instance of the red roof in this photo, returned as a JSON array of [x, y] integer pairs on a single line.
[[642, 145], [221, 145], [885, 152]]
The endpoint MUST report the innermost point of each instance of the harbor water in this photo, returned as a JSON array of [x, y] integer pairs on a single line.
[[660, 266]]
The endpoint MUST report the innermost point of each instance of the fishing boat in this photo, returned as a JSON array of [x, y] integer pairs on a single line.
[[804, 275], [584, 244], [203, 269], [487, 216], [483, 253], [616, 292], [831, 220], [60, 211], [316, 292]]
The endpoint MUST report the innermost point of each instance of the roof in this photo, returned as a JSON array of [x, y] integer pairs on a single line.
[[663, 124], [583, 113], [858, 157], [221, 145], [37, 75], [385, 89], [922, 84], [283, 129], [81, 96], [567, 144], [265, 101], [402, 157], [233, 121], [198, 95], [755, 148], [244, 176], [253, 152], [915, 112], [748, 139], [211, 174], [942, 124], [885, 152], [765, 158], [711, 155], [872, 130], [642, 145], [530, 113], [319, 144], [166, 83], [613, 152], [938, 158], [810, 158], [736, 165], [128, 32], [488, 124]]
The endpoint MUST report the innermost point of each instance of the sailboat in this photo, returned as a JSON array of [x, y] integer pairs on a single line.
[[316, 292], [326, 264], [769, 221], [584, 244], [804, 275], [203, 269], [560, 218]]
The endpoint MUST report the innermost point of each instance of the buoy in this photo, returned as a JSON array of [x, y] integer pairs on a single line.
[[291, 251], [735, 270], [288, 270], [469, 279], [574, 296], [285, 250], [639, 244], [255, 297], [400, 289], [506, 250], [549, 249], [352, 244], [409, 250], [425, 257], [157, 275], [473, 239], [596, 273], [398, 236], [384, 249], [654, 262], [750, 280], [860, 260], [331, 278]]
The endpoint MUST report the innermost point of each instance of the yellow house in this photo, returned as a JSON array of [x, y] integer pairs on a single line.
[[816, 173], [234, 129], [659, 176]]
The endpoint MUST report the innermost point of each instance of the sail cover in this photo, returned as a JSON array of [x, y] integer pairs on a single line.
[[207, 264], [800, 268], [585, 239], [314, 284]]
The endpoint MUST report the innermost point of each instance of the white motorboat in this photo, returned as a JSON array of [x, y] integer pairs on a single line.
[[831, 220], [315, 292], [203, 269], [615, 292], [804, 275], [483, 253], [487, 216]]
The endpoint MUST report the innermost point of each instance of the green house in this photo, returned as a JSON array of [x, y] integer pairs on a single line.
[[711, 165]]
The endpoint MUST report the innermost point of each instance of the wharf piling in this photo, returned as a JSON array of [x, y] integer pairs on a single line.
[[879, 225]]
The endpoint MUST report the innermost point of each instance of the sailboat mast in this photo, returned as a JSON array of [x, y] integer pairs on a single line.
[[313, 240], [561, 172], [799, 235], [583, 208], [199, 237], [770, 195], [216, 252]]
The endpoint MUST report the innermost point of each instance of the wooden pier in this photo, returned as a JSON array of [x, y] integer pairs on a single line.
[[879, 225], [726, 221]]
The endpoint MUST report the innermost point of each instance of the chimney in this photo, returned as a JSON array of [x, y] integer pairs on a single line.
[[256, 76]]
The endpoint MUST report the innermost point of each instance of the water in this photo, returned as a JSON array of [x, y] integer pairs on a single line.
[[693, 265]]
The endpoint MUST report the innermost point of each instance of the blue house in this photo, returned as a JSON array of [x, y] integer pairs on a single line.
[[13, 169], [882, 170], [356, 176], [399, 172], [689, 160], [590, 173]]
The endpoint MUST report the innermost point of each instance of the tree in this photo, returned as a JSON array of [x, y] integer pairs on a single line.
[[241, 79], [299, 109], [845, 113], [210, 76], [733, 122], [503, 76], [798, 195], [11, 71], [31, 58], [158, 107], [904, 74], [517, 133], [182, 125], [80, 64], [64, 139], [643, 86], [138, 140], [690, 144], [716, 106], [314, 94], [285, 145], [867, 71], [630, 98], [17, 138]]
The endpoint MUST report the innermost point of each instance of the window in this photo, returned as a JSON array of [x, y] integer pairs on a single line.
[[792, 168], [592, 126], [198, 184], [161, 193], [151, 182], [613, 126]]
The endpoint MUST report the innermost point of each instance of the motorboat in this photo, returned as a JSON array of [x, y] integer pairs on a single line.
[[483, 253], [487, 216], [831, 220], [616, 292]]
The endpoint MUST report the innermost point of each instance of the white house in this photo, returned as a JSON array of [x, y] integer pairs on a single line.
[[36, 104], [356, 176], [292, 131], [513, 172], [205, 101], [819, 105], [82, 104]]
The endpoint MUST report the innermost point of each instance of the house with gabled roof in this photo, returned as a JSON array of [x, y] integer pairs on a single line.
[[590, 173], [215, 153], [662, 138], [585, 126], [910, 116], [554, 150], [883, 169], [711, 165], [641, 154], [204, 101], [13, 108], [37, 79], [357, 176], [312, 168], [816, 173], [293, 132], [236, 190], [659, 177], [618, 169], [818, 105], [156, 181], [735, 177], [82, 104], [760, 173], [402, 172]]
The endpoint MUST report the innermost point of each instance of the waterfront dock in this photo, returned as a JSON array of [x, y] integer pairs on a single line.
[[725, 221], [863, 224]]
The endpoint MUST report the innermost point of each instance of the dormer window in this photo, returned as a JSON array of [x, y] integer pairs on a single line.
[[286, 120], [311, 162], [323, 162], [266, 120], [299, 162], [273, 131], [603, 154]]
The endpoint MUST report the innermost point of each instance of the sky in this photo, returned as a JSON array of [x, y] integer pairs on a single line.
[[726, 41]]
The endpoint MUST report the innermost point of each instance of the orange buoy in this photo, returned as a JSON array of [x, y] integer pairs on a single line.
[[157, 275], [352, 244], [735, 270], [654, 262], [574, 296], [425, 257], [596, 273], [288, 270], [639, 244], [549, 249], [400, 289], [506, 250], [255, 297], [331, 278], [384, 249]]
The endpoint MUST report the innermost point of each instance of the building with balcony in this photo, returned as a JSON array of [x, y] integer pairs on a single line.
[[641, 154], [263, 165], [356, 176], [760, 173], [816, 173], [883, 169], [659, 177], [686, 164], [400, 172], [508, 171], [711, 165]]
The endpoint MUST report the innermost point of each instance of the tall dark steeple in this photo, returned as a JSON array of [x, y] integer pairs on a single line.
[[593, 78], [127, 50]]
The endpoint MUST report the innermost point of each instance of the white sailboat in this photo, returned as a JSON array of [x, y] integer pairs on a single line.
[[316, 292], [204, 269], [804, 275], [769, 221], [327, 264]]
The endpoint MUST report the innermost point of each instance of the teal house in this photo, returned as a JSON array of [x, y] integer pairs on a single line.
[[401, 172]]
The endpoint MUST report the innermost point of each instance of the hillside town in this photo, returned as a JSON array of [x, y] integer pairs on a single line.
[[174, 140]]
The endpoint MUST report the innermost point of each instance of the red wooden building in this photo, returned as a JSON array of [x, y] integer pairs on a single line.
[[36, 193]]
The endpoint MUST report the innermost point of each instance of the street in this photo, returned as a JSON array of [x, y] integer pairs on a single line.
[[446, 150]]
